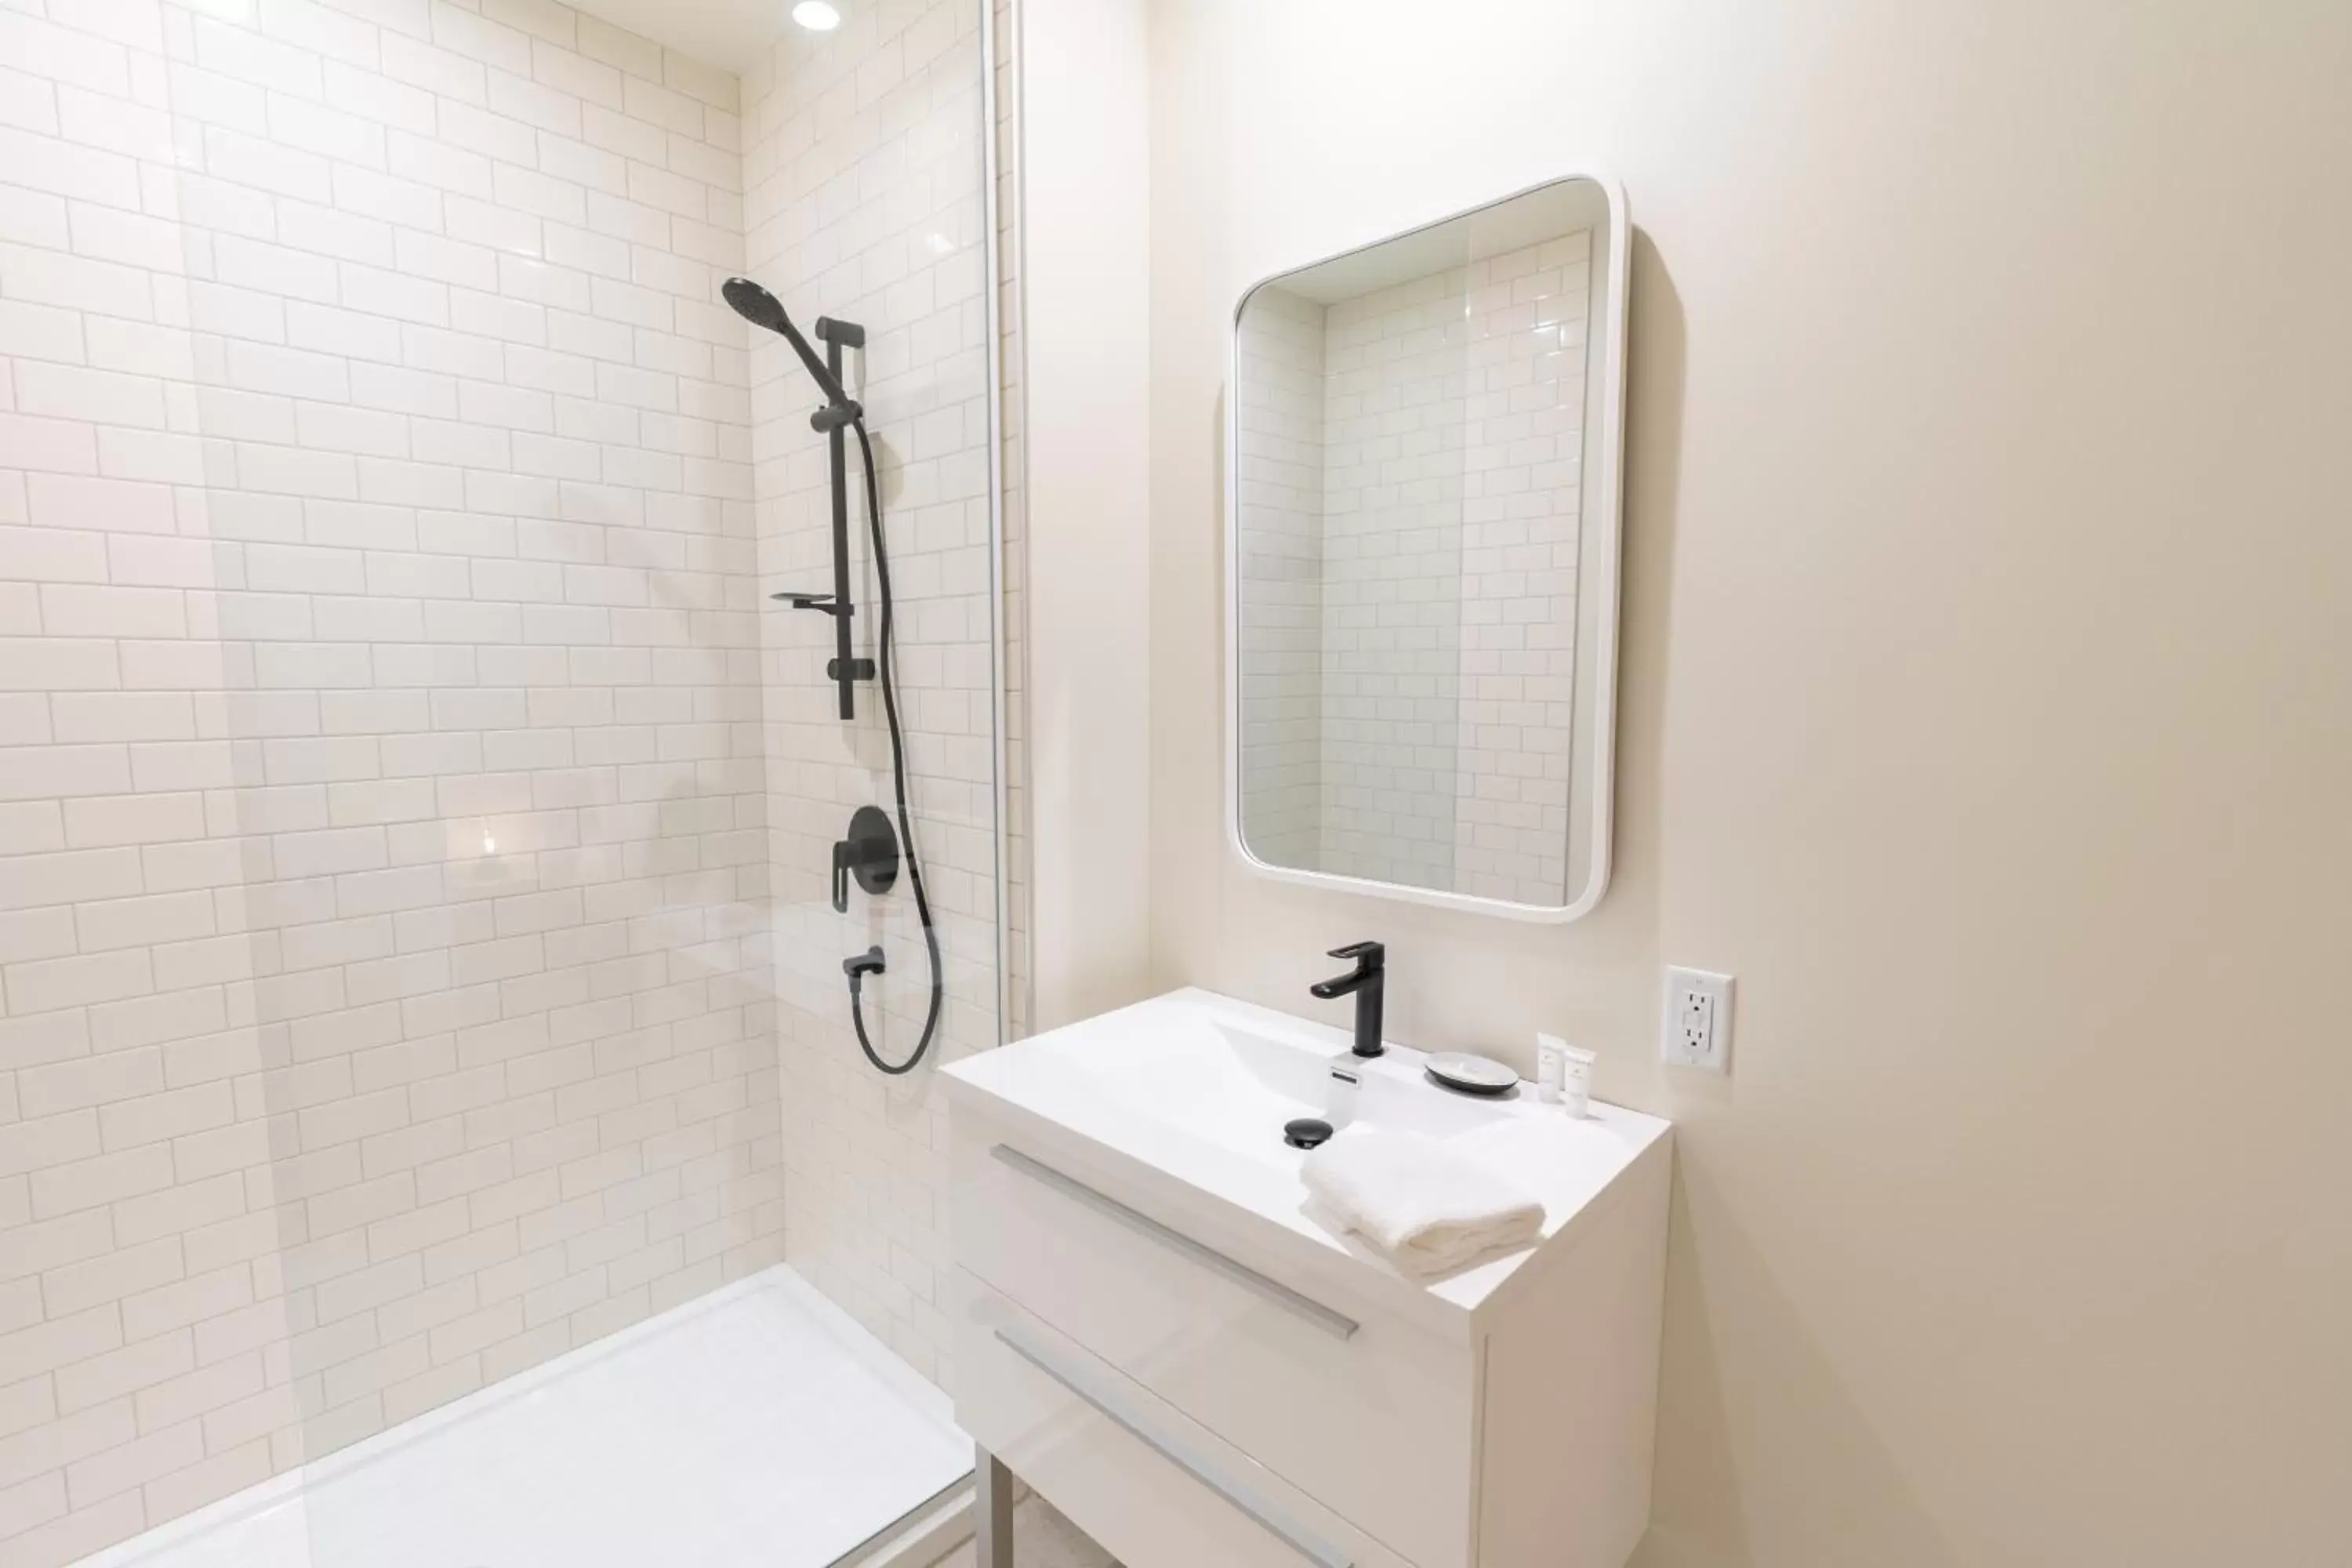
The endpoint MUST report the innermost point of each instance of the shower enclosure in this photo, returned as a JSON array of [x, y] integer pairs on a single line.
[[433, 1123]]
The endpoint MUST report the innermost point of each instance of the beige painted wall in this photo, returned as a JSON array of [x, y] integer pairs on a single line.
[[1986, 709], [1086, 215]]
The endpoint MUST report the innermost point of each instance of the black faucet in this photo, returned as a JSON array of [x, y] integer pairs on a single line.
[[1368, 982]]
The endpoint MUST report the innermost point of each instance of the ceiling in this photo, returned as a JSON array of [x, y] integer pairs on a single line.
[[725, 32]]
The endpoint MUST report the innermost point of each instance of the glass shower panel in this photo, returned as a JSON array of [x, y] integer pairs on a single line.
[[478, 473], [646, 995], [425, 1041], [867, 203]]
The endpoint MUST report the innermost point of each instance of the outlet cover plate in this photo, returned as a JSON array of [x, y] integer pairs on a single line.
[[1696, 1030]]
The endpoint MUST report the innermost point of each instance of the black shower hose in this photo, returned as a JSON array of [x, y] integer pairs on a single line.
[[889, 684]]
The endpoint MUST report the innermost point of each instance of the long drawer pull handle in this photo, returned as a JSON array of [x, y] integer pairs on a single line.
[[1266, 1515], [1336, 1325]]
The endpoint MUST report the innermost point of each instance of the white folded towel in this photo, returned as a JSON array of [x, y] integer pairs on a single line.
[[1430, 1208]]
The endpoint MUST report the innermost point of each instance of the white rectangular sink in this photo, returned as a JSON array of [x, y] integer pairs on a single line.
[[1194, 1089], [1156, 1330]]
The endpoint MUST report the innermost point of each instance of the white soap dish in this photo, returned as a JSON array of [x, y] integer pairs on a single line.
[[1472, 1075]]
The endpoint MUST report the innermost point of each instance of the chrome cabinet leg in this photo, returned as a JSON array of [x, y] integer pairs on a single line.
[[991, 1510]]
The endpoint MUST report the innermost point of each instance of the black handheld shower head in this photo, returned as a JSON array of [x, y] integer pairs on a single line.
[[756, 305], [761, 309]]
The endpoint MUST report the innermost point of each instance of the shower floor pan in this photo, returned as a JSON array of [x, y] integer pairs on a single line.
[[758, 1426]]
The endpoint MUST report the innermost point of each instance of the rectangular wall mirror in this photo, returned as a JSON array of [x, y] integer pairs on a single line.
[[1421, 559]]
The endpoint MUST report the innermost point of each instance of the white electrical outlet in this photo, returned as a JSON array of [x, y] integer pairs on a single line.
[[1697, 1029]]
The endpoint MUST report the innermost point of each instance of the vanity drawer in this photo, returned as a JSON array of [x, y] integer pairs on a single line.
[[1368, 1415], [1153, 1488]]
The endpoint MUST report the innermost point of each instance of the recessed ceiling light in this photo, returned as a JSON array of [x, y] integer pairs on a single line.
[[817, 16]]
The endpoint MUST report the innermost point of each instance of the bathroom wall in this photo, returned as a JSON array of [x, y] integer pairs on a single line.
[[1086, 185], [381, 752], [866, 203], [1986, 658]]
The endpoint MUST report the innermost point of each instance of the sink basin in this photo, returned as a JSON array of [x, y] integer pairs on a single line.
[[1193, 1090], [1236, 1086]]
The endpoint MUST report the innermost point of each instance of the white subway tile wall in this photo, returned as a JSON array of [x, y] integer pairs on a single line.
[[868, 203], [384, 989], [1280, 393], [1408, 606], [1394, 481], [1523, 449]]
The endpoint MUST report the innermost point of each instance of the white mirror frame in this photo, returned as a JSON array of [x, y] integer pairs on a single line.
[[1603, 506]]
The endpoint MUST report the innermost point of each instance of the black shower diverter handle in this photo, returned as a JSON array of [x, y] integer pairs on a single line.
[[870, 853], [842, 850]]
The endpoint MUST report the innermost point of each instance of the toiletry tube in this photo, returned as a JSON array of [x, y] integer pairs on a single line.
[[1576, 1085], [1551, 1068]]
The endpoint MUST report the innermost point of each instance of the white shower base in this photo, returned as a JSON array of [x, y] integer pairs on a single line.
[[758, 1426]]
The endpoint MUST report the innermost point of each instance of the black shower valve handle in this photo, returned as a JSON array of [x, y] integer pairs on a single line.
[[848, 855], [870, 853]]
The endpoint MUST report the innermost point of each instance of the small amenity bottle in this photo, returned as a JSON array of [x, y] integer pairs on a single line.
[[1563, 1074]]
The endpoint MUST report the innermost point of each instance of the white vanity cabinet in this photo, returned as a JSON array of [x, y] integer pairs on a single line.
[[1155, 1335]]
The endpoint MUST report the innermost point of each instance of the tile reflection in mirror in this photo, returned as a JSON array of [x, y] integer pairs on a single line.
[[1418, 575]]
